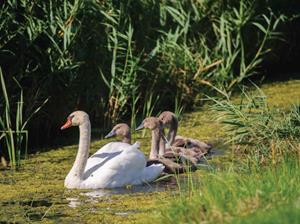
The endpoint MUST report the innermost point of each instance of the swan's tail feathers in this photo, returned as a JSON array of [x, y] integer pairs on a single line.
[[150, 173]]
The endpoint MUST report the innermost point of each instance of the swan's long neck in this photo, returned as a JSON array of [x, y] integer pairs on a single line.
[[77, 171], [155, 143]]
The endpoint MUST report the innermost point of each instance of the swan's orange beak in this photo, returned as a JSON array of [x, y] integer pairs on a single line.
[[67, 124]]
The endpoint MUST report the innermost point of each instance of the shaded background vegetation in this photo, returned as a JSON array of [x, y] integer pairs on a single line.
[[120, 59]]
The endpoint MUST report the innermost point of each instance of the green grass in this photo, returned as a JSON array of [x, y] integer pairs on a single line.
[[240, 193], [13, 126], [281, 214]]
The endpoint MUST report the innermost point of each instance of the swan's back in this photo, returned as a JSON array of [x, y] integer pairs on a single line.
[[120, 165], [107, 152]]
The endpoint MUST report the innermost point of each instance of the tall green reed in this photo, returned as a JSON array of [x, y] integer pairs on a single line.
[[149, 105], [220, 58], [122, 81], [14, 133], [178, 107]]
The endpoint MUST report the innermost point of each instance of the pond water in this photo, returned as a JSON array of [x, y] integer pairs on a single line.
[[36, 193], [47, 204], [170, 184]]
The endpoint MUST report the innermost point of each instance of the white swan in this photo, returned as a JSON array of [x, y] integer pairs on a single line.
[[116, 164]]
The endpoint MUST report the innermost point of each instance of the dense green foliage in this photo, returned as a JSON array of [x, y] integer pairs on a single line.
[[117, 59]]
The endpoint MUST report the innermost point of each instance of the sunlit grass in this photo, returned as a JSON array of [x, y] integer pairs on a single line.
[[283, 94], [236, 194], [288, 213]]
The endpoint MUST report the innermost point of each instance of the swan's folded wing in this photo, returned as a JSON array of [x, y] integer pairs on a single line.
[[103, 155], [123, 169], [131, 169]]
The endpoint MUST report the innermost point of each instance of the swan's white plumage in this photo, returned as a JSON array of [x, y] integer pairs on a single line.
[[116, 164]]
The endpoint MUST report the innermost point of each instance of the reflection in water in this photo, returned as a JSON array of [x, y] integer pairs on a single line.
[[73, 202], [216, 152], [126, 213], [130, 190], [204, 161], [34, 209], [169, 183]]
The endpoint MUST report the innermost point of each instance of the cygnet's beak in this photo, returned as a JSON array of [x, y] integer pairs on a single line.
[[141, 126], [112, 133], [67, 124]]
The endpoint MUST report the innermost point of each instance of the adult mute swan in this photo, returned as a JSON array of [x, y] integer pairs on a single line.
[[116, 164]]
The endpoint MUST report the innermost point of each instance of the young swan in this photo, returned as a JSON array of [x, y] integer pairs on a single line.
[[155, 125], [116, 164], [169, 120], [178, 145], [121, 130]]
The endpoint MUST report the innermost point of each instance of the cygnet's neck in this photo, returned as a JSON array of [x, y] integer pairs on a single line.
[[127, 138], [156, 135], [172, 131]]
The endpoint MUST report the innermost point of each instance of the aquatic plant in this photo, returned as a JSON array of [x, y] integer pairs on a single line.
[[14, 133], [122, 82]]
